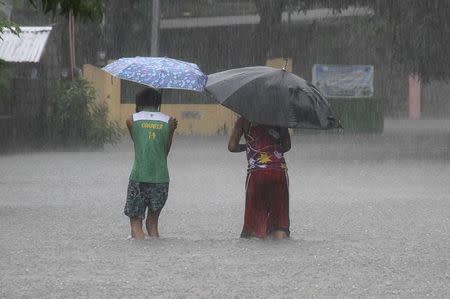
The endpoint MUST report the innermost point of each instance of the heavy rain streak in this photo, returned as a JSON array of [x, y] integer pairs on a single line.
[[224, 148]]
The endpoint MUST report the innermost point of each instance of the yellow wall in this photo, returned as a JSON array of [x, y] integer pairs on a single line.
[[193, 119], [279, 63], [108, 89], [201, 119]]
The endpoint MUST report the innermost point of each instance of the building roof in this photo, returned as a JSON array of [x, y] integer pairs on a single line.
[[27, 47], [295, 17]]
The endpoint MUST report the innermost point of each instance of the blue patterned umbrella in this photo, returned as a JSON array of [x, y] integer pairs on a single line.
[[159, 72]]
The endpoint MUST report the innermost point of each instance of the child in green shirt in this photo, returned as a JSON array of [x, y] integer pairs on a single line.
[[152, 132]]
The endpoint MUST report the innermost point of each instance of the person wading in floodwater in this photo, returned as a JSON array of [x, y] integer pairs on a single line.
[[267, 185], [148, 187]]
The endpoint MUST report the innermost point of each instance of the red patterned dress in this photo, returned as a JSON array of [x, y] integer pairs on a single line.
[[267, 185]]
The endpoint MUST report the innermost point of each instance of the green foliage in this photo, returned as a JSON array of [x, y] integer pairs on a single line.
[[86, 9], [13, 27], [414, 31], [419, 32], [78, 120]]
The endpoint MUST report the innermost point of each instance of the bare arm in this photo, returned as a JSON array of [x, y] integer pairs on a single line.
[[285, 140], [129, 123], [173, 124], [233, 144]]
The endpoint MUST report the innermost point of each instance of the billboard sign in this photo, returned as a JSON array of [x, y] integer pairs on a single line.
[[343, 81]]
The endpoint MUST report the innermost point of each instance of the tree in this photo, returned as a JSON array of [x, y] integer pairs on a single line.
[[79, 118], [88, 9], [85, 9], [133, 39], [13, 27], [419, 33], [71, 9], [416, 31]]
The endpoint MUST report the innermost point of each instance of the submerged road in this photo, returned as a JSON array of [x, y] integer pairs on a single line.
[[370, 217]]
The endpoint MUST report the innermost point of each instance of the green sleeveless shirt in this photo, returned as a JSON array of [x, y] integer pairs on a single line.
[[150, 133]]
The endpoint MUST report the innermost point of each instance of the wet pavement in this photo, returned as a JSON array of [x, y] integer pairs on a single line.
[[370, 217]]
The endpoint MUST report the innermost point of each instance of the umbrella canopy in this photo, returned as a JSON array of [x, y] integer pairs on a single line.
[[270, 96], [159, 72]]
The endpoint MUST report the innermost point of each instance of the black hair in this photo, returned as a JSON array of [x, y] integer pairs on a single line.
[[148, 97]]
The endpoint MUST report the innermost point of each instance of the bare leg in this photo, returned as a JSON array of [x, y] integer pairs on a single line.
[[152, 223], [279, 235], [136, 228]]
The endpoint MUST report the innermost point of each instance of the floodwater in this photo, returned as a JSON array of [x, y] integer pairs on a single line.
[[369, 218]]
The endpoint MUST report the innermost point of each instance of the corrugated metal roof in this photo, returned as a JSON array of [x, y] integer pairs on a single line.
[[28, 47]]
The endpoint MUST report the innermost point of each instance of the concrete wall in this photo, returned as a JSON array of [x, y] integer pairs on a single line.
[[108, 89], [193, 119]]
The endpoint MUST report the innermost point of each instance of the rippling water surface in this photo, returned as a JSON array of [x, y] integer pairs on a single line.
[[369, 217]]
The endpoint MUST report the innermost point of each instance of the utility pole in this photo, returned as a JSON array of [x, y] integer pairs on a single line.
[[156, 15], [72, 44]]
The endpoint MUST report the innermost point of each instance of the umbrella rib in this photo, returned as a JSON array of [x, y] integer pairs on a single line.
[[257, 77], [300, 103]]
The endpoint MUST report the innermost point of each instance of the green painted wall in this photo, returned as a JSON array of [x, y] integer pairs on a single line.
[[359, 115]]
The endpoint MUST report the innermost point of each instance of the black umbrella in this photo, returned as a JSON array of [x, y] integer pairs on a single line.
[[270, 96]]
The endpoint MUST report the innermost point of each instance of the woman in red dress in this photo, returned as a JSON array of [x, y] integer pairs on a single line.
[[267, 185]]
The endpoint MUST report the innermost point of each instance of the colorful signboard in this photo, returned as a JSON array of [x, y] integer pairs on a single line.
[[343, 81]]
